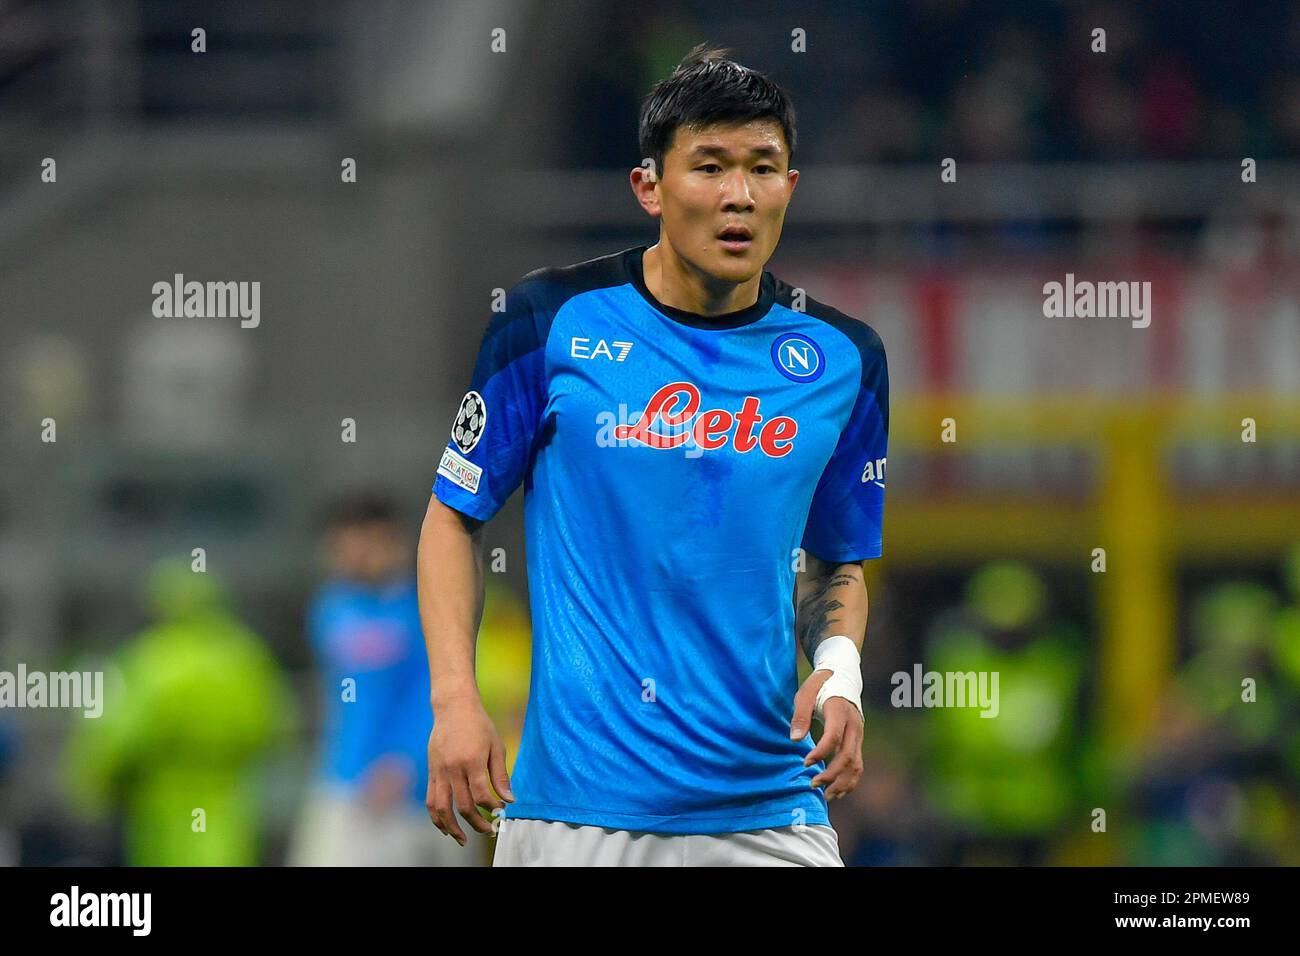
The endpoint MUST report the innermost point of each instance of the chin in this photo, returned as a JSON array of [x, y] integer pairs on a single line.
[[735, 268]]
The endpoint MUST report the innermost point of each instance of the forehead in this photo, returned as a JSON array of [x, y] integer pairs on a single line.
[[763, 136]]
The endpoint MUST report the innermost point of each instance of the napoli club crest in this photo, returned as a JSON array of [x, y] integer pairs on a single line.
[[471, 419], [798, 357]]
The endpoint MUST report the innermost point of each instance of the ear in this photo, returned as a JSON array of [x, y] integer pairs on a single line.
[[793, 177], [645, 188]]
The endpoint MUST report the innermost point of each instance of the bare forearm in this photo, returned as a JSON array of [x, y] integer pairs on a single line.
[[830, 599], [450, 575]]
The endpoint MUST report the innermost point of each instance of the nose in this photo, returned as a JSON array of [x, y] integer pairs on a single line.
[[735, 192]]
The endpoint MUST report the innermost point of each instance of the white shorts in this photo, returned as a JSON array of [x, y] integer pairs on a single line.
[[552, 843]]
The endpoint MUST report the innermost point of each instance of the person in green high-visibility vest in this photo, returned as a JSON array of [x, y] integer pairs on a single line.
[[1210, 789], [1230, 638], [191, 707], [1005, 776]]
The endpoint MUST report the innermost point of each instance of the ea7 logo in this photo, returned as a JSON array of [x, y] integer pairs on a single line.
[[582, 348], [874, 471]]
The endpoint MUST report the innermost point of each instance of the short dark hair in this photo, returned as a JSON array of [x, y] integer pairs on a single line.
[[706, 88], [359, 508]]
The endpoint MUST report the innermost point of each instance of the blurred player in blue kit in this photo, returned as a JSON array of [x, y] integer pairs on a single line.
[[366, 806], [665, 723]]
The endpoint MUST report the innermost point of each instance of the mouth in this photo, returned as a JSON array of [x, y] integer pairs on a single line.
[[736, 238]]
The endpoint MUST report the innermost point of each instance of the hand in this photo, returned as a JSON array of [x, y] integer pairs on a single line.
[[841, 736], [464, 752]]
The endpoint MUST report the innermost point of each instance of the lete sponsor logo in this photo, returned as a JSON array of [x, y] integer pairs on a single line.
[[676, 404]]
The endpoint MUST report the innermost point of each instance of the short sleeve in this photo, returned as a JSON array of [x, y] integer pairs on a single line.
[[847, 511], [497, 421]]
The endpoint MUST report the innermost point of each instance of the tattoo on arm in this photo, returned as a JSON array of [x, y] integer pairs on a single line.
[[816, 617]]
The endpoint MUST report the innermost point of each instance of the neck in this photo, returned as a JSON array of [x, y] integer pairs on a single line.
[[677, 283]]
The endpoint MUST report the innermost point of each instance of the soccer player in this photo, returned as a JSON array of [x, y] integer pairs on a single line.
[[665, 545], [364, 808]]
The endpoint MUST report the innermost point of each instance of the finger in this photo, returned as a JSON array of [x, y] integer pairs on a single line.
[[804, 701], [832, 732], [833, 770], [431, 801], [443, 815], [497, 768], [431, 795], [465, 803], [485, 798], [846, 779], [844, 773], [447, 811]]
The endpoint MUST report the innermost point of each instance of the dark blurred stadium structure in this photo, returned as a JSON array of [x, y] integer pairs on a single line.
[[474, 167]]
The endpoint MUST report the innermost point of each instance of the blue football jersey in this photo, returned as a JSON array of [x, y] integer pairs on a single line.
[[673, 467], [373, 636]]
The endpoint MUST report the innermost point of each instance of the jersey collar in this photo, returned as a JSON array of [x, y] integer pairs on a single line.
[[728, 320]]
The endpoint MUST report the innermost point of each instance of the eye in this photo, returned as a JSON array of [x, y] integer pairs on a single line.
[[709, 166], [769, 168]]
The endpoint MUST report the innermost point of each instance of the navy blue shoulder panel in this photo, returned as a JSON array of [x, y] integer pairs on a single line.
[[552, 286], [531, 306], [871, 350]]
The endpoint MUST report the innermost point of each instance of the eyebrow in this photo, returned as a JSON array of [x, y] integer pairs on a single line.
[[720, 151]]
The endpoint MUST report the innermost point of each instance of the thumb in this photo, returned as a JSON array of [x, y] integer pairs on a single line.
[[497, 771], [804, 701]]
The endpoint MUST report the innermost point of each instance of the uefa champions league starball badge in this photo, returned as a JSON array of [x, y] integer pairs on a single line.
[[470, 421]]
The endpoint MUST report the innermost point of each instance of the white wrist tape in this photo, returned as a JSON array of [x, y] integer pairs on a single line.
[[840, 656]]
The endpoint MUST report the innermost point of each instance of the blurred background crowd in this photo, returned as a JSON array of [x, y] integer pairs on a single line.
[[1150, 695], [902, 81]]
